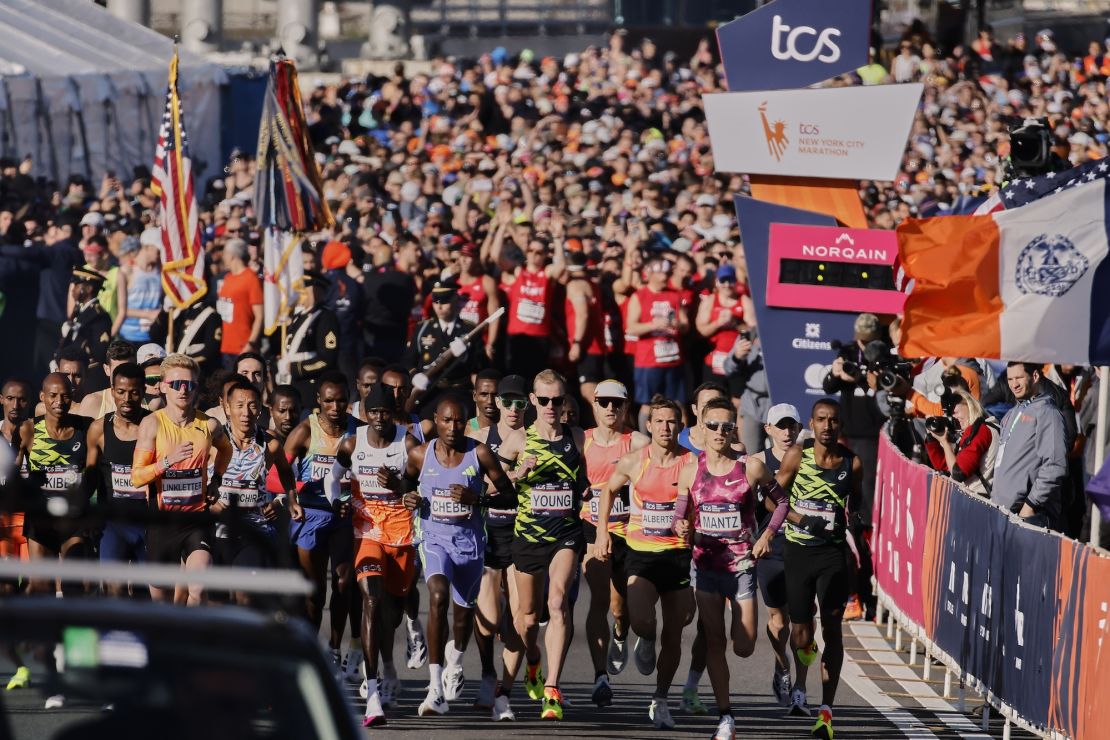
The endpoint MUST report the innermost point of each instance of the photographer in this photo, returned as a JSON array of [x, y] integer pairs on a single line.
[[951, 373], [963, 441]]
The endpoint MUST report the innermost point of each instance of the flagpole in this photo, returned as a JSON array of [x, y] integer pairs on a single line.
[[169, 333], [1100, 445]]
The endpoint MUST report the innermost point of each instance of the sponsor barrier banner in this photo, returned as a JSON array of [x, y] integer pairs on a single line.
[[796, 344], [795, 43], [901, 508], [850, 133]]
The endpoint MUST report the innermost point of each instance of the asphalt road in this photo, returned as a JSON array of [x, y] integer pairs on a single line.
[[884, 713]]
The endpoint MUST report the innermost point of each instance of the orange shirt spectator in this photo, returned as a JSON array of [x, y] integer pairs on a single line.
[[240, 302]]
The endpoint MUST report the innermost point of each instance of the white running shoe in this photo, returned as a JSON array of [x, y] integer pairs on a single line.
[[453, 682], [352, 665], [502, 712], [798, 706], [726, 728], [486, 690], [660, 714], [618, 655], [416, 648], [374, 716], [389, 689], [433, 704], [55, 702], [644, 653]]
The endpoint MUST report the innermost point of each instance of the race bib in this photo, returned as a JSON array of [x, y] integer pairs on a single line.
[[530, 312], [551, 502], [666, 350], [500, 516], [368, 487], [180, 487], [321, 466], [61, 477], [594, 504], [243, 494], [717, 362], [816, 508], [657, 518], [226, 309], [121, 483], [619, 511], [446, 511], [721, 520]]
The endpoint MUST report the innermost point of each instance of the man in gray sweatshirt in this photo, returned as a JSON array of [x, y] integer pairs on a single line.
[[1031, 468]]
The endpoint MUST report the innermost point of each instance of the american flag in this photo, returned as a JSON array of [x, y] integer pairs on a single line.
[[172, 181]]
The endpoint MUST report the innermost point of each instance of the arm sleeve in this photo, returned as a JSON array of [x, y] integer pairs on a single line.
[[1052, 454], [782, 507], [144, 468]]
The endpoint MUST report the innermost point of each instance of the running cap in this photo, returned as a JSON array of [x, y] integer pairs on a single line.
[[611, 389], [378, 398], [150, 352], [781, 411], [513, 385]]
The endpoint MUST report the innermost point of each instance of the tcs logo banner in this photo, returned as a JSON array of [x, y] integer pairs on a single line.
[[795, 43]]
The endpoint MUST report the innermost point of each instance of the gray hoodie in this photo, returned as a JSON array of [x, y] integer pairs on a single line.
[[1032, 458]]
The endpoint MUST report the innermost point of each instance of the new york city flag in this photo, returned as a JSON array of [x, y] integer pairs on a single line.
[[1030, 282]]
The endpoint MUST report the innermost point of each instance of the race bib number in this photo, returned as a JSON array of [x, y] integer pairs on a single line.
[[321, 469], [720, 520], [121, 483], [552, 502], [717, 362], [446, 511], [181, 486], [62, 477], [530, 312], [226, 309], [657, 518], [666, 350], [243, 494]]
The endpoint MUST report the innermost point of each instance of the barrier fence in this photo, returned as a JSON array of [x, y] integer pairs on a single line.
[[1017, 612]]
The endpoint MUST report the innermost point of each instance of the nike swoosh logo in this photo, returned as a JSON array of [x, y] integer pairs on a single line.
[[733, 482]]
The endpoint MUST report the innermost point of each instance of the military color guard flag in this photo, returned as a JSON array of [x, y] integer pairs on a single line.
[[1030, 282]]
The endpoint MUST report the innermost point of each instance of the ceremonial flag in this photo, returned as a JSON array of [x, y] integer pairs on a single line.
[[172, 181], [1028, 281], [288, 191]]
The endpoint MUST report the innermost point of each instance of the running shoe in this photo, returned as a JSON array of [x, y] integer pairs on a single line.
[[336, 662], [416, 648], [726, 728], [55, 702], [433, 704], [660, 714], [618, 655], [691, 702], [389, 689], [823, 728], [798, 706], [853, 610], [363, 689], [603, 693], [21, 679], [453, 682], [808, 654], [552, 707], [486, 690], [352, 665], [644, 653], [502, 712], [374, 716], [780, 686], [533, 682]]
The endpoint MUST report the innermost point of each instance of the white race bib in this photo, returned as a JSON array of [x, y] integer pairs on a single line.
[[556, 502], [530, 312], [721, 520], [181, 486], [226, 309], [657, 519], [446, 511], [121, 483], [61, 477], [619, 510], [243, 494], [666, 350]]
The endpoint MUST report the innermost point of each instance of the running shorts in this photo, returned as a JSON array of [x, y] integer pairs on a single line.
[[460, 559], [731, 585], [317, 525], [174, 543], [668, 570], [819, 572], [123, 543], [535, 557], [770, 572], [394, 564], [499, 546]]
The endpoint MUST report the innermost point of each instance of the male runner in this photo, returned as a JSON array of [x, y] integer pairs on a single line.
[[96, 405], [111, 453], [247, 536], [322, 526], [385, 558], [825, 481], [717, 501], [548, 539], [172, 453], [499, 576], [605, 445], [285, 411], [658, 560], [449, 472], [485, 400], [781, 427], [15, 398]]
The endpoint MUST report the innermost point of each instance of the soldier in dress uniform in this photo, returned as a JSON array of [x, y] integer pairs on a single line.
[[90, 326], [444, 332], [196, 333], [311, 341]]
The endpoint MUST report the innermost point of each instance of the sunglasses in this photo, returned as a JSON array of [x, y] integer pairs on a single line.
[[724, 427], [609, 403], [517, 404], [188, 386], [549, 400], [153, 379]]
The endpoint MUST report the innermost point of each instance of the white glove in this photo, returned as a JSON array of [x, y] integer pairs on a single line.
[[420, 382], [458, 347], [284, 373]]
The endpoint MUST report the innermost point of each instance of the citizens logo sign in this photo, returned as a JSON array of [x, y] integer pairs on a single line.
[[795, 43], [849, 133]]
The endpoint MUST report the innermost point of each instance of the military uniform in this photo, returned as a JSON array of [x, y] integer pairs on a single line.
[[311, 343], [90, 327], [197, 332]]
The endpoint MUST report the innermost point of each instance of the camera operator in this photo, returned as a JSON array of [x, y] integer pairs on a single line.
[[963, 441]]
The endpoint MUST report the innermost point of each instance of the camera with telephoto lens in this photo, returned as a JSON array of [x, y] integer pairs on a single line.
[[1031, 150], [941, 425]]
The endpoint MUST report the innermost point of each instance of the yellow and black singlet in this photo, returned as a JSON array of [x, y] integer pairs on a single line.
[[550, 494], [821, 493], [56, 465]]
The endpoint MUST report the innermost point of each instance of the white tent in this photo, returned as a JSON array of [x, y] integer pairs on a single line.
[[83, 92]]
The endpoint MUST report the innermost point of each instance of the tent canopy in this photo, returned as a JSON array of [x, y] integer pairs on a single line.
[[83, 91]]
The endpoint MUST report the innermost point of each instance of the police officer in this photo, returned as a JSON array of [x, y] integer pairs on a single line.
[[312, 340], [444, 332], [90, 326]]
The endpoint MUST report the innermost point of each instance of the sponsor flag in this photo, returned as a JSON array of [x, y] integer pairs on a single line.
[[1028, 282], [172, 181], [288, 191]]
